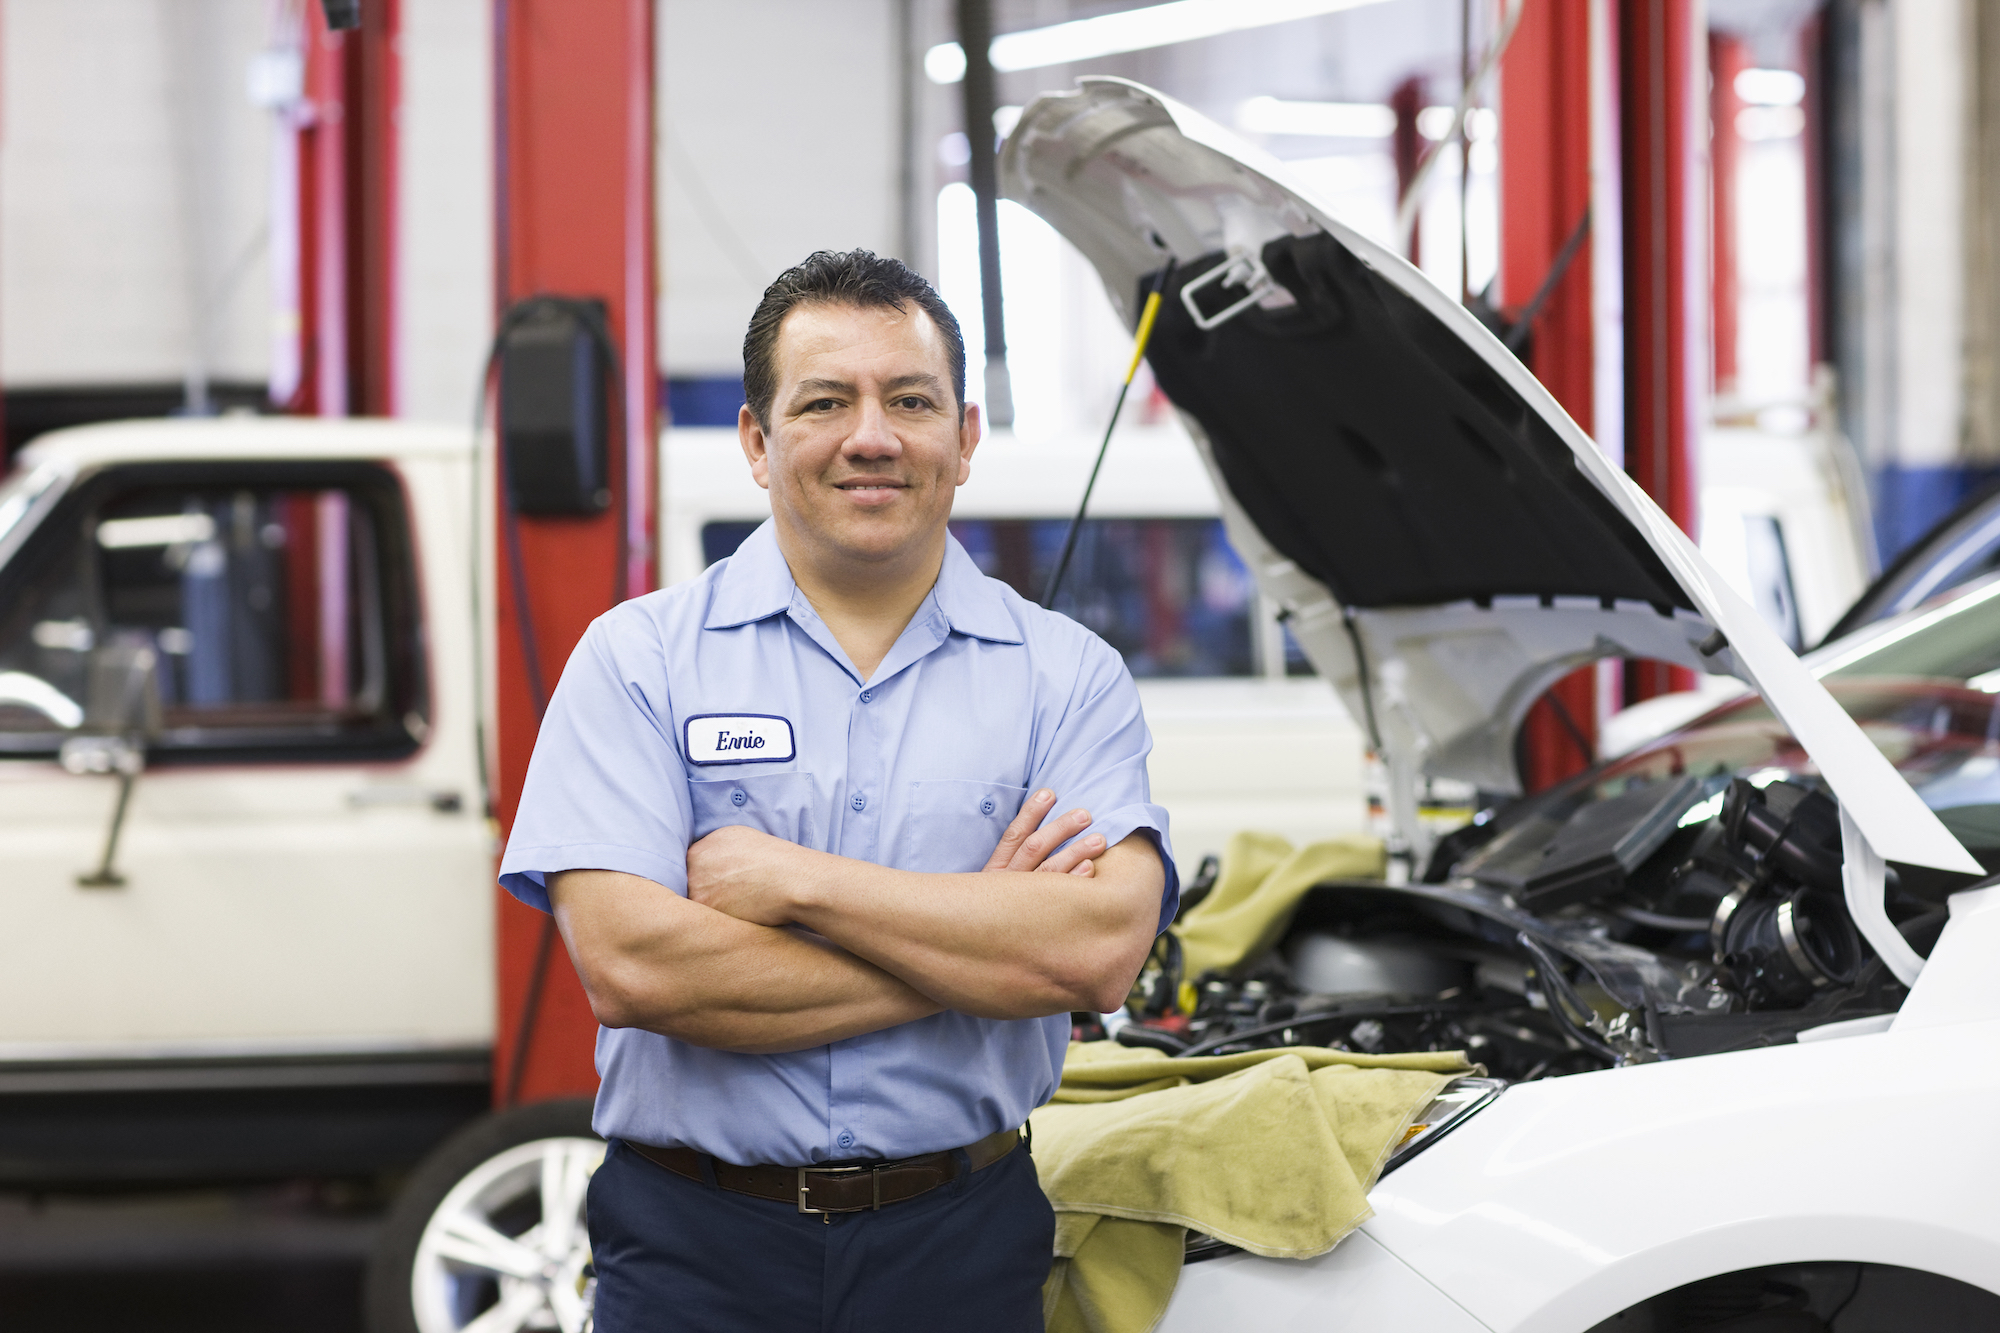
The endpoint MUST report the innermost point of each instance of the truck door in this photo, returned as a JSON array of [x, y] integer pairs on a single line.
[[303, 865]]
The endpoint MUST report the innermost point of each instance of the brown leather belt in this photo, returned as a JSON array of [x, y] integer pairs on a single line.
[[834, 1189]]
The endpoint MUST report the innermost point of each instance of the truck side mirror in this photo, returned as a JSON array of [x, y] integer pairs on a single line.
[[124, 690], [121, 715]]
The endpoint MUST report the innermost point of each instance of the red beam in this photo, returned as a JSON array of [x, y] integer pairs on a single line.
[[374, 85], [1727, 57], [1812, 63], [344, 222], [1545, 196], [1545, 193], [1407, 148], [1663, 66], [573, 88]]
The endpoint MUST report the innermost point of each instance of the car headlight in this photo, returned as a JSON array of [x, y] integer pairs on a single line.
[[1447, 1111]]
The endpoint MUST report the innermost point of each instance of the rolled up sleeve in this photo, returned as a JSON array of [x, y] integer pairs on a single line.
[[1096, 759], [607, 788]]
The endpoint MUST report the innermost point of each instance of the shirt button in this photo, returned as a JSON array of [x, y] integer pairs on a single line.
[[867, 696], [859, 802], [739, 796], [986, 806], [846, 1140]]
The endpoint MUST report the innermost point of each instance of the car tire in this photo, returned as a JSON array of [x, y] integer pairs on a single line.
[[467, 1235]]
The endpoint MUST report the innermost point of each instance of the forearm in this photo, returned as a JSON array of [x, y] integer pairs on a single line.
[[650, 959], [998, 944]]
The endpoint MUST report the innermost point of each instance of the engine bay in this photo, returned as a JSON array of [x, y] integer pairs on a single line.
[[1582, 928]]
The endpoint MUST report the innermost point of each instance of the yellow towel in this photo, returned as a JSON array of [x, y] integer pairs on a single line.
[[1273, 1150], [1261, 883]]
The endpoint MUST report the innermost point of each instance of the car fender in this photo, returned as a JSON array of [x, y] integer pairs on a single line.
[[1571, 1199]]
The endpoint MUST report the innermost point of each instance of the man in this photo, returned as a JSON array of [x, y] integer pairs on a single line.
[[793, 820]]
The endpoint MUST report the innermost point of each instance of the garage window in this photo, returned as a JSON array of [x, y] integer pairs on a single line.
[[275, 609]]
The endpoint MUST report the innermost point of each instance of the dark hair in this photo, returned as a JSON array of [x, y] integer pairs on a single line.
[[857, 278]]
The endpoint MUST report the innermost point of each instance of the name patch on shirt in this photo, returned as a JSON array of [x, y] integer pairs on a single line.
[[738, 738]]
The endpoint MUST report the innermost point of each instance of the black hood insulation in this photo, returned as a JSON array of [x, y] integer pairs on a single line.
[[1375, 449]]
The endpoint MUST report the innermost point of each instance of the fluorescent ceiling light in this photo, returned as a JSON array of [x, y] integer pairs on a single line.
[[1770, 87], [1128, 30], [1758, 124], [1353, 120], [1331, 120]]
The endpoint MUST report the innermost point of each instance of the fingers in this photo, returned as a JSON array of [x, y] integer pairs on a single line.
[[1033, 811], [1085, 869], [1035, 851], [1076, 854]]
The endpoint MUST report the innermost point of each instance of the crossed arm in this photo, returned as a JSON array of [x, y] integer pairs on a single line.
[[732, 965]]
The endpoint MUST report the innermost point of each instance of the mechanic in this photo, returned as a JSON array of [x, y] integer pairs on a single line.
[[793, 817]]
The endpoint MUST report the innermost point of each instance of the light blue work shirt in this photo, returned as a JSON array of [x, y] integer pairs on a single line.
[[726, 700]]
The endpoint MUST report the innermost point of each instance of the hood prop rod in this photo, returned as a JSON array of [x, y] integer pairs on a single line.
[[1144, 335]]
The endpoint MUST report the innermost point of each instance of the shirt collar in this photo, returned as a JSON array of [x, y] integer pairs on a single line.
[[972, 603], [756, 584]]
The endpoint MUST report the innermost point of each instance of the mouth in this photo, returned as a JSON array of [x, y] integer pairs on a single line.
[[871, 490]]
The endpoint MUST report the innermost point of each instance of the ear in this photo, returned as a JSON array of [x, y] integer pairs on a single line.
[[755, 447], [968, 440]]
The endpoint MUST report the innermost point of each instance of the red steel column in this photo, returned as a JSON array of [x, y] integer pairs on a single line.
[[1727, 57], [1407, 148], [1663, 68], [573, 144], [1545, 198], [375, 85], [345, 228], [1812, 63]]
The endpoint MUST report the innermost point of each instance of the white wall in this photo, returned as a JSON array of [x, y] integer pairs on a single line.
[[445, 180], [778, 137], [134, 175], [1930, 38], [132, 185]]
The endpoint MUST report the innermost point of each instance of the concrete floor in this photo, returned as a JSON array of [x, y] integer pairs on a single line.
[[266, 1260]]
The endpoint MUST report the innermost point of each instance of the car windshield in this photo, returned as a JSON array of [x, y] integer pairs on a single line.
[[1926, 691], [1955, 639]]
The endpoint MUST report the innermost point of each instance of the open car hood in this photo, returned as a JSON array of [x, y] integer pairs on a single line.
[[1446, 541]]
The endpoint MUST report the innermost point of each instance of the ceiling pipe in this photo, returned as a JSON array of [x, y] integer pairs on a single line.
[[975, 35]]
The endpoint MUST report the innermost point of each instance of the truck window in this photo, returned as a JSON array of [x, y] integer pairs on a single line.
[[1168, 593], [279, 609]]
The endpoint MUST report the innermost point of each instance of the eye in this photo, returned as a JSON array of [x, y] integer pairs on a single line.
[[911, 402], [822, 405]]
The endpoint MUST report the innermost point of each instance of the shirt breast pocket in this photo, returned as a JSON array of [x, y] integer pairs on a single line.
[[954, 824], [780, 804]]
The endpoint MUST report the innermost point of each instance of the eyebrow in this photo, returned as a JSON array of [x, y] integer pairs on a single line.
[[811, 387]]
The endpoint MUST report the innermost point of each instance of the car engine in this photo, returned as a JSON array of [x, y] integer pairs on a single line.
[[1577, 929]]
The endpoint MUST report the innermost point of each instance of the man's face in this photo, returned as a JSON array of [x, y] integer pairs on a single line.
[[865, 447]]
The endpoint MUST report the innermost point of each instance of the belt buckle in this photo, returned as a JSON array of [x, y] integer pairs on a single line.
[[826, 1214]]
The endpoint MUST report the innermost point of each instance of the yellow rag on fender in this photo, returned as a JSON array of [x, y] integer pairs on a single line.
[[1274, 1151], [1261, 883]]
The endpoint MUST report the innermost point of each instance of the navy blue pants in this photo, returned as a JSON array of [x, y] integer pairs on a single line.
[[676, 1254]]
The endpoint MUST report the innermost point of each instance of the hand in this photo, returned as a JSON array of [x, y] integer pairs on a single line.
[[1023, 847], [745, 873]]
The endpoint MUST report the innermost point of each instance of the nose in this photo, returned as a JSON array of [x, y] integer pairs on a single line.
[[873, 438]]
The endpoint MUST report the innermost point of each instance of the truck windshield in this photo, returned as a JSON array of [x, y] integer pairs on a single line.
[[20, 495]]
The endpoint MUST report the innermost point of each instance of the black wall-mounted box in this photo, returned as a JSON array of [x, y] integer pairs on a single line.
[[553, 427]]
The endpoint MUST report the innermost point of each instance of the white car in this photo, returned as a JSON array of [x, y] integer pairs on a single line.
[[1740, 982]]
